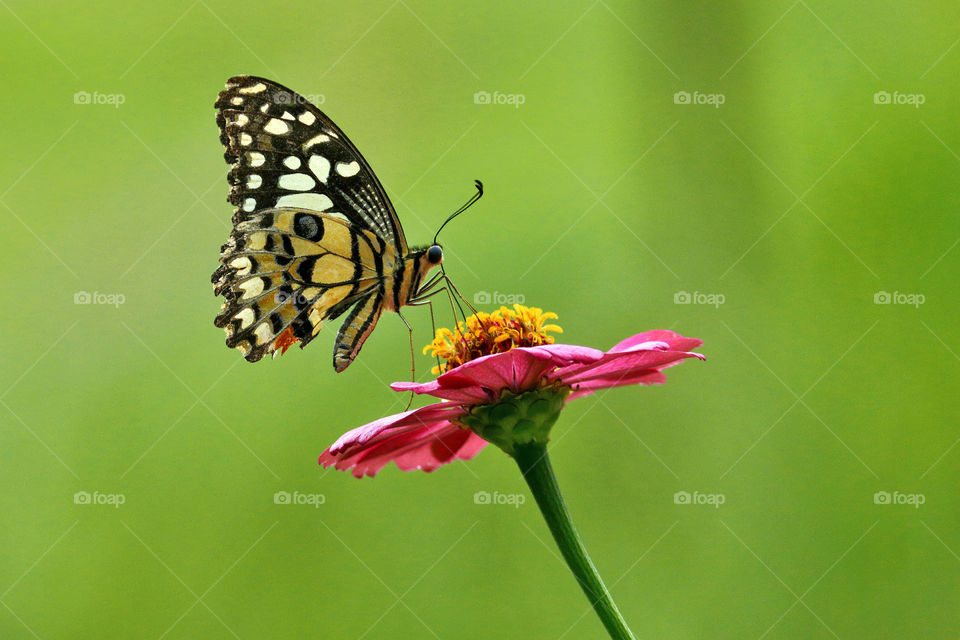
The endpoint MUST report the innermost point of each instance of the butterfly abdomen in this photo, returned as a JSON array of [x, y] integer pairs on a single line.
[[409, 274]]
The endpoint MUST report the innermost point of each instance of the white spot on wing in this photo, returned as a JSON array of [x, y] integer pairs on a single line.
[[242, 119], [256, 159], [242, 265], [237, 100], [246, 317], [312, 201], [257, 88], [348, 169], [296, 182], [251, 288], [249, 204], [291, 162], [254, 181], [245, 139], [263, 333], [287, 115], [307, 118], [315, 139], [277, 127], [320, 167]]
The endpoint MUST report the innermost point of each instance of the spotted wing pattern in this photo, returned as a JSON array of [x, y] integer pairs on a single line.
[[283, 151], [284, 271], [314, 231]]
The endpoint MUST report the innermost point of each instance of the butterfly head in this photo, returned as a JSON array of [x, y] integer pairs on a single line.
[[434, 255]]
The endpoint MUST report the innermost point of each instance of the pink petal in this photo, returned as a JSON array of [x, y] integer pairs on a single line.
[[462, 391], [620, 365], [377, 430], [514, 370], [568, 353], [425, 448], [517, 369], [674, 341]]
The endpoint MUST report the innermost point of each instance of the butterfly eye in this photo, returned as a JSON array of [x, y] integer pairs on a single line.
[[435, 254]]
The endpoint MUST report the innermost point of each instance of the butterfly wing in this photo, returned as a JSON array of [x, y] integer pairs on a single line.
[[284, 271], [286, 155], [355, 329], [283, 151]]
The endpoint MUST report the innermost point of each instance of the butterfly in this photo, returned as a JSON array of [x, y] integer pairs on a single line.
[[314, 236]]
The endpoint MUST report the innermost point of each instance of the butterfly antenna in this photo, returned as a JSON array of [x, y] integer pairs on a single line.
[[469, 203]]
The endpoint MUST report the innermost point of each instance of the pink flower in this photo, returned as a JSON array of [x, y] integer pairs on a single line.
[[431, 436]]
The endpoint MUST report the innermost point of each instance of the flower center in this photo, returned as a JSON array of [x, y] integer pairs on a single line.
[[484, 334]]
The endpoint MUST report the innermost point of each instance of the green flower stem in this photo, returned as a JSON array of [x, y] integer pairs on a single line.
[[537, 471]]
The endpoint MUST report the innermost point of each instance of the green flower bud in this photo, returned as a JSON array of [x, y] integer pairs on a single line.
[[517, 419]]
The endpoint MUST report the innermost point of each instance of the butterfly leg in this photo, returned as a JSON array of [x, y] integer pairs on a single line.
[[413, 370], [433, 322]]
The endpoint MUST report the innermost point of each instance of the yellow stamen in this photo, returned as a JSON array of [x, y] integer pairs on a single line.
[[488, 333]]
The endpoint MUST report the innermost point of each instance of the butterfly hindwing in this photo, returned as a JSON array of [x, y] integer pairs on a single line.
[[355, 329], [283, 151], [284, 271]]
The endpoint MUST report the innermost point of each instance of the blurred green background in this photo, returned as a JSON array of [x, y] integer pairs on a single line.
[[794, 203]]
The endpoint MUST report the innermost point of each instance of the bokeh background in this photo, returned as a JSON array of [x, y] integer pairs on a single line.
[[784, 199]]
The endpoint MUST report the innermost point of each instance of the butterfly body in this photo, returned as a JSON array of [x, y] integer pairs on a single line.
[[315, 235]]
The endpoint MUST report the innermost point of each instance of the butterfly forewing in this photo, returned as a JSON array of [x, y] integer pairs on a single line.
[[286, 152]]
